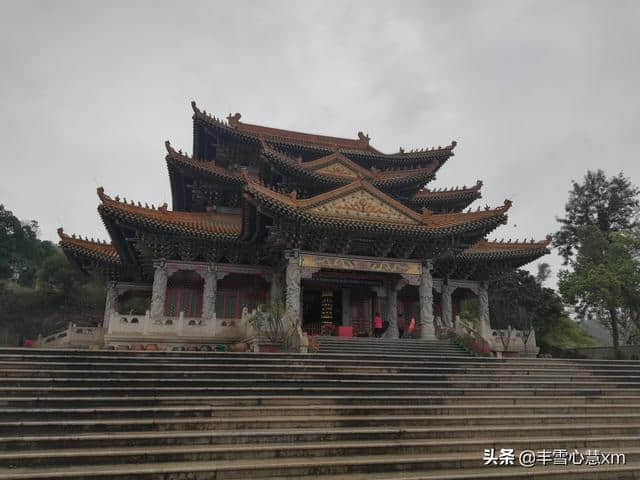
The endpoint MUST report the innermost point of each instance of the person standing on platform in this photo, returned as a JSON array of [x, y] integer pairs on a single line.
[[377, 325], [412, 327]]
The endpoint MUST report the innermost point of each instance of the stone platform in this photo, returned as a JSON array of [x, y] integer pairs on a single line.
[[358, 409]]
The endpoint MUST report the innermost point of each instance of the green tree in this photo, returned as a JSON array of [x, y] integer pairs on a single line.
[[49, 293], [605, 278], [609, 204], [519, 299]]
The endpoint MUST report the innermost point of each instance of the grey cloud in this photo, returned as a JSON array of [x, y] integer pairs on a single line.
[[536, 92]]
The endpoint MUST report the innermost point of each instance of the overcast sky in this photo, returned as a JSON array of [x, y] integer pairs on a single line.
[[535, 92]]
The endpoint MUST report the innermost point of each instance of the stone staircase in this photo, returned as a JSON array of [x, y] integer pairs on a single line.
[[358, 409]]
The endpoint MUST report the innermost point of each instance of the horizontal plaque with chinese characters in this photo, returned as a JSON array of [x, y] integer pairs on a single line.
[[360, 264]]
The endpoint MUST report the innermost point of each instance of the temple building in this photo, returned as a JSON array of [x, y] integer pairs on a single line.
[[332, 228]]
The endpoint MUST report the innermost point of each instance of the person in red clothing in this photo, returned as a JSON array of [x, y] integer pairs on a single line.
[[377, 325], [412, 327]]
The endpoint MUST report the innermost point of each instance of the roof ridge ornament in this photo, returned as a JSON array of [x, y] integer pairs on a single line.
[[364, 139], [234, 120]]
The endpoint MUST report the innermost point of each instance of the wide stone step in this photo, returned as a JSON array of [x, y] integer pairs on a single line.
[[184, 453], [278, 379], [14, 414], [33, 354], [270, 467], [381, 374], [6, 393], [99, 400], [292, 422], [13, 368], [488, 434]]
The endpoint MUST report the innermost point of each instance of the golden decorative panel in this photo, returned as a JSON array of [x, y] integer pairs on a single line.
[[338, 170], [362, 205], [360, 264]]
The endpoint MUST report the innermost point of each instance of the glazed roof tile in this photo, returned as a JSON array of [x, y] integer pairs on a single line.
[[280, 136], [338, 169], [383, 211], [91, 248], [449, 193], [206, 167], [502, 249], [208, 224]]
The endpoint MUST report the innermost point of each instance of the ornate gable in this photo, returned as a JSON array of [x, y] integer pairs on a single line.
[[338, 170], [362, 205]]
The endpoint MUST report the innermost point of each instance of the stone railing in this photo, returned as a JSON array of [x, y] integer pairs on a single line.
[[514, 342], [141, 327], [499, 342], [73, 336]]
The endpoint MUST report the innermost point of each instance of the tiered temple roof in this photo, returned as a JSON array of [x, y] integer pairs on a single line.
[[249, 191]]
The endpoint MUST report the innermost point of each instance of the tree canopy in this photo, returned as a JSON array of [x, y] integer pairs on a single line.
[[609, 204], [604, 281], [40, 291]]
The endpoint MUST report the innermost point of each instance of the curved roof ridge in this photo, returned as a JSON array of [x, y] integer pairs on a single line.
[[89, 246], [325, 142], [194, 222], [208, 167]]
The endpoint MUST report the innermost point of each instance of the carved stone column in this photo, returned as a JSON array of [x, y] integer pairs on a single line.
[[483, 298], [392, 310], [159, 291], [293, 291], [346, 307], [275, 289], [110, 304], [209, 293], [446, 305], [427, 331]]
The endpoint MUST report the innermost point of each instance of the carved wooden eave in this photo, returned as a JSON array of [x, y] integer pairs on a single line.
[[336, 169], [488, 260], [364, 213], [446, 199]]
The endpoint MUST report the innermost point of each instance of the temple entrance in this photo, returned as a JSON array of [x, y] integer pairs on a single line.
[[342, 299], [321, 304]]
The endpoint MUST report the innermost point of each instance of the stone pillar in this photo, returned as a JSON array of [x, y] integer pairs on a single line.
[[275, 289], [346, 307], [159, 291], [483, 298], [446, 305], [427, 330], [293, 290], [110, 304], [392, 310], [209, 293]]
